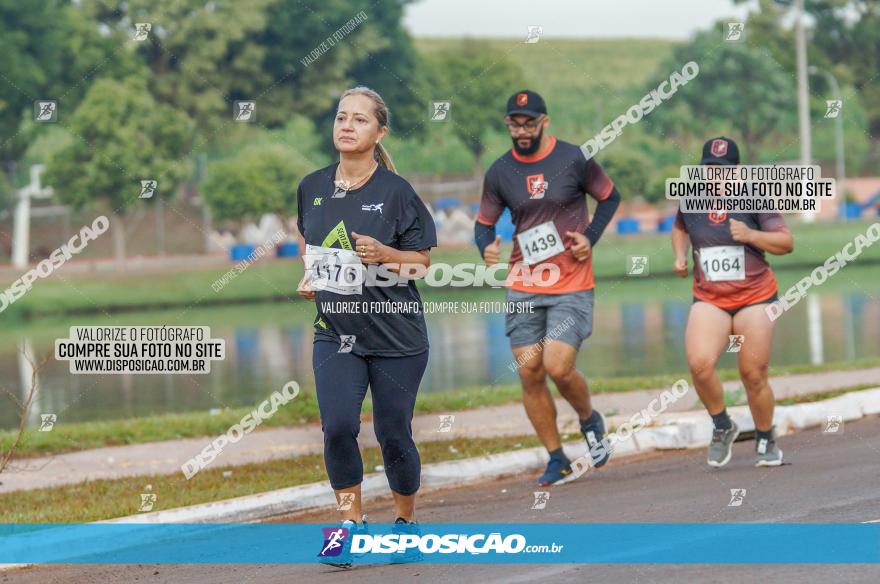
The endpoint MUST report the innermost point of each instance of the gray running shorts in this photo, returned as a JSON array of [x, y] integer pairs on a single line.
[[564, 317]]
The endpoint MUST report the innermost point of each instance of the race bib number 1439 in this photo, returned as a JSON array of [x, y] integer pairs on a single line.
[[540, 242]]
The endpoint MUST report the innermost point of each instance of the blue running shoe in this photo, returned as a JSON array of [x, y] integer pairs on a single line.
[[342, 558], [594, 432], [558, 471], [401, 527]]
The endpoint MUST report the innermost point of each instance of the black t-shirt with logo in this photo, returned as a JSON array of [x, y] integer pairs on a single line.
[[387, 209]]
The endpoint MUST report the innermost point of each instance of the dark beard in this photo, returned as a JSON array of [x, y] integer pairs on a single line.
[[536, 143]]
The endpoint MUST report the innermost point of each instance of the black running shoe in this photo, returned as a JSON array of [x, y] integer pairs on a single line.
[[594, 433]]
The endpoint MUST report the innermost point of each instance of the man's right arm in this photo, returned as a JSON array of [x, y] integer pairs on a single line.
[[491, 208]]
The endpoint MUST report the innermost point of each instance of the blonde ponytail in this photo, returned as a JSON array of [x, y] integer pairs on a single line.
[[383, 158]]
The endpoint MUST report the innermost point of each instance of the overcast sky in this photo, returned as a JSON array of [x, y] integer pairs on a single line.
[[671, 19]]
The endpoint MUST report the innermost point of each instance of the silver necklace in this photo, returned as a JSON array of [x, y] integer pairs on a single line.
[[343, 185]]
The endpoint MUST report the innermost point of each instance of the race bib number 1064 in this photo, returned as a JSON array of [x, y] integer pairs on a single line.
[[723, 263]]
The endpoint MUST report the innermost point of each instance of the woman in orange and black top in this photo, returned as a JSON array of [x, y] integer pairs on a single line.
[[732, 283]]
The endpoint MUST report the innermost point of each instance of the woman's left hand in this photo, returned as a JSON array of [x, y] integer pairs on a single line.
[[368, 249], [740, 232]]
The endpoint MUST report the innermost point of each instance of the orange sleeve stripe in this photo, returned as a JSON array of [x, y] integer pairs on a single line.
[[482, 219], [607, 192]]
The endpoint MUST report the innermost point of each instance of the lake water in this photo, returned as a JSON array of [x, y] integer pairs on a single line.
[[270, 344]]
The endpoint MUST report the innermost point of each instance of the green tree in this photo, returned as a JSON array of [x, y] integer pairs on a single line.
[[855, 43], [656, 192], [844, 40], [31, 39], [477, 79], [629, 169], [261, 179], [121, 136], [395, 70], [51, 50], [202, 54], [738, 92]]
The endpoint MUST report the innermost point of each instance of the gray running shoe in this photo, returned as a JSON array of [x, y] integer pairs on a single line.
[[767, 452], [721, 446]]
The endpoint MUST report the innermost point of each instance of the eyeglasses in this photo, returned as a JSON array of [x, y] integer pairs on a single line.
[[529, 126]]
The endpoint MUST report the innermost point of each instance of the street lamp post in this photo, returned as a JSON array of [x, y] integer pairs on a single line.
[[803, 95]]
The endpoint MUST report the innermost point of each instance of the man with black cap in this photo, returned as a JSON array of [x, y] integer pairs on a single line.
[[543, 181], [732, 283]]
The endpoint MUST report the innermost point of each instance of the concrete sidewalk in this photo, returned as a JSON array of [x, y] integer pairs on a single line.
[[505, 420]]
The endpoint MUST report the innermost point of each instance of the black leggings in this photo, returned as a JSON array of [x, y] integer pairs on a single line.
[[341, 380]]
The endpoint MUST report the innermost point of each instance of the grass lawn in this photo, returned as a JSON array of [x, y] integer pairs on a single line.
[[304, 409], [106, 499]]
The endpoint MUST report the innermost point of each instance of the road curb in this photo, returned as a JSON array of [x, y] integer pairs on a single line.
[[679, 431], [676, 431]]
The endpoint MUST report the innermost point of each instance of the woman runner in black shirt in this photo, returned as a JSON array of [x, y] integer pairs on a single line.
[[353, 213]]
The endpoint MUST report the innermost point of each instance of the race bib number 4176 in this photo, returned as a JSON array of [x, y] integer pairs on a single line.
[[334, 270]]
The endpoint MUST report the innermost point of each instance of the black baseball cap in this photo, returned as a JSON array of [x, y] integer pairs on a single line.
[[720, 150], [526, 103]]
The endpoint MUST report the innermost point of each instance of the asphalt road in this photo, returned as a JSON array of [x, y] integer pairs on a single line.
[[829, 478]]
